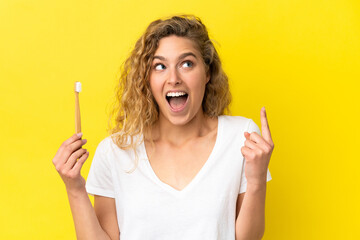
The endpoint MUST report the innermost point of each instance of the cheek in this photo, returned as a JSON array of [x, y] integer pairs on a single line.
[[152, 84], [199, 84]]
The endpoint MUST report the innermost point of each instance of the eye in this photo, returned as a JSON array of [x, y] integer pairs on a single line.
[[187, 64], [159, 66]]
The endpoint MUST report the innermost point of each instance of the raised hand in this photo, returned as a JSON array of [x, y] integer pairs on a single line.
[[67, 165], [257, 151]]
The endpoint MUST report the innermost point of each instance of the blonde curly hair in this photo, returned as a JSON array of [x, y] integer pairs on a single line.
[[135, 108]]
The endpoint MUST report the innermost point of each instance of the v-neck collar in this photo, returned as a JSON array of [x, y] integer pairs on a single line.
[[197, 177]]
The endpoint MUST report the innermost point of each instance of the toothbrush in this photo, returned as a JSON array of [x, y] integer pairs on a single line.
[[77, 107]]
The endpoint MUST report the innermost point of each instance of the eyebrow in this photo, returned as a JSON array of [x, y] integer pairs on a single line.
[[182, 56]]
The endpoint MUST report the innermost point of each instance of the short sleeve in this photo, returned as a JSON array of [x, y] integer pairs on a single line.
[[99, 180], [251, 128]]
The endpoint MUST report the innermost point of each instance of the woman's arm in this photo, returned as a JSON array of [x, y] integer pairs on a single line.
[[250, 223], [87, 225], [105, 210], [68, 161], [257, 150]]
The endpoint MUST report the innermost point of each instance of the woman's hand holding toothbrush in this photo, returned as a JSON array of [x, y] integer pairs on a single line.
[[68, 162]]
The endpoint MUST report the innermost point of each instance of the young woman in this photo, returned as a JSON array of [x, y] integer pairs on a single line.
[[173, 166]]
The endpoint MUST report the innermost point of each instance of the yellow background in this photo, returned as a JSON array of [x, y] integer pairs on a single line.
[[299, 58]]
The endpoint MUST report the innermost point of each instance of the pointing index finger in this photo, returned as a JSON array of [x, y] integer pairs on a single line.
[[265, 131]]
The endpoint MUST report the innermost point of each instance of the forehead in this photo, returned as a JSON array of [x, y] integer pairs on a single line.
[[174, 45]]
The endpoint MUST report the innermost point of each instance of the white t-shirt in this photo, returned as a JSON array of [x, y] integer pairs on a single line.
[[147, 208]]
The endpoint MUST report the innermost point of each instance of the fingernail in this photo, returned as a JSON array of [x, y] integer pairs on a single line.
[[79, 134], [84, 141]]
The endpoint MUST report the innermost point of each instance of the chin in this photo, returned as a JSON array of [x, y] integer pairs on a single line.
[[181, 119], [178, 120]]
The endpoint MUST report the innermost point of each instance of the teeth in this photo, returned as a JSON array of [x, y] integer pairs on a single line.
[[175, 94]]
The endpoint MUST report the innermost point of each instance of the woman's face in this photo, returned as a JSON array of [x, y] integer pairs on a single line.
[[178, 79]]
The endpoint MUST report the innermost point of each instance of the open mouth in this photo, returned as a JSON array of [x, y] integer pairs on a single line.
[[177, 100]]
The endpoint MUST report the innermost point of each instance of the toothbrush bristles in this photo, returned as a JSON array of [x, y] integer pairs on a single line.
[[77, 86]]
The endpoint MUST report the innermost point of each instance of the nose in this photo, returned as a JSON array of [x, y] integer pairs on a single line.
[[174, 77]]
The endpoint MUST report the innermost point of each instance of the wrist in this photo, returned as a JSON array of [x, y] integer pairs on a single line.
[[260, 180], [76, 192], [256, 186]]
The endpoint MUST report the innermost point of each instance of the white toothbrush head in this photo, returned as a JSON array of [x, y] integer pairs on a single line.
[[78, 87]]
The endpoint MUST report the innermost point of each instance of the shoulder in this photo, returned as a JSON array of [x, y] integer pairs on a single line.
[[112, 145], [113, 140], [238, 122], [233, 127], [104, 145], [121, 157], [109, 143]]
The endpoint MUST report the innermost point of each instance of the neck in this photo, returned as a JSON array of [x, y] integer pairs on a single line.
[[179, 134]]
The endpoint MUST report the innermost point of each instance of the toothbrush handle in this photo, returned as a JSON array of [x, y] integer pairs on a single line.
[[77, 114]]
